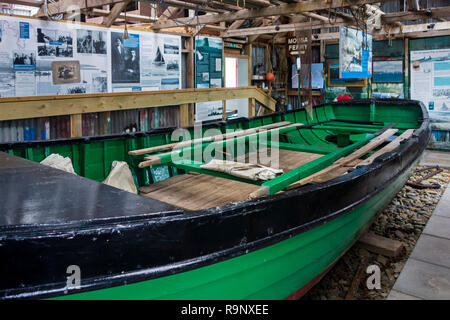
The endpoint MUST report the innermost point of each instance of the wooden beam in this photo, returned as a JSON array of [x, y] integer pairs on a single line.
[[220, 137], [130, 17], [214, 27], [381, 245], [290, 27], [285, 9], [76, 127], [389, 18], [218, 5], [45, 106], [391, 146], [236, 24], [434, 13], [418, 30], [115, 12], [260, 3], [188, 111], [234, 137], [357, 278], [315, 16], [68, 5], [192, 6], [30, 3]]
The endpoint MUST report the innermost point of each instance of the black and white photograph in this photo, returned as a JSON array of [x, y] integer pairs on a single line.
[[125, 61], [99, 42], [66, 72], [99, 83], [84, 41], [172, 65], [46, 51], [46, 35], [65, 51], [171, 48], [64, 38], [24, 58], [73, 89]]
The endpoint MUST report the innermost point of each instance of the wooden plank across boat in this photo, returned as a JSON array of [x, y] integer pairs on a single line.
[[193, 233]]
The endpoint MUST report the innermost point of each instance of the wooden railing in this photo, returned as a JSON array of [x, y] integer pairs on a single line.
[[76, 105]]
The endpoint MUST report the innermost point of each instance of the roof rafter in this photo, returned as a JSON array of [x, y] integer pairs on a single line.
[[388, 18], [273, 10], [115, 12]]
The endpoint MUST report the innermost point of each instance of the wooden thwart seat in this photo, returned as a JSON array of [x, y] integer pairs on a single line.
[[342, 165], [200, 191], [224, 136]]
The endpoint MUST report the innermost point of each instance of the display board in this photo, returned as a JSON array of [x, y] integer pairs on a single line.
[[430, 83], [208, 74], [335, 81], [355, 53], [388, 90], [317, 76], [387, 70], [39, 57]]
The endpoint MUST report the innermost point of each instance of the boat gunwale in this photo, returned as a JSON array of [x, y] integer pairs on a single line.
[[183, 214]]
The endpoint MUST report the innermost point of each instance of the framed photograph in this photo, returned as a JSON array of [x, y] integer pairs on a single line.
[[66, 72], [335, 81], [390, 71]]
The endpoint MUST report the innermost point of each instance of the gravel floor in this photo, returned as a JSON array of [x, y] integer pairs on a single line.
[[403, 219]]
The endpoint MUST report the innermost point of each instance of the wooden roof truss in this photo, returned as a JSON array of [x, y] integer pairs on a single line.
[[249, 19]]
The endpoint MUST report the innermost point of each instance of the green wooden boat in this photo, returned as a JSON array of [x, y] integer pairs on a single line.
[[193, 233]]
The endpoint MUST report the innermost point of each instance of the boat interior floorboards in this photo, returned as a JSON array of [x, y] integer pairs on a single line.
[[194, 191]]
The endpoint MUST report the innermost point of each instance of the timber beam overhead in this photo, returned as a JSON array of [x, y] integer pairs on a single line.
[[387, 19], [249, 18], [274, 10]]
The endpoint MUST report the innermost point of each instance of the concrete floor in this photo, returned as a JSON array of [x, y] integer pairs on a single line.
[[433, 158], [426, 274]]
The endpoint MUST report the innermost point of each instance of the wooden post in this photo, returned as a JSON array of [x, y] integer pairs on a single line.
[[224, 110], [76, 128], [224, 102], [251, 107], [406, 69], [184, 115], [106, 123], [251, 101], [187, 110]]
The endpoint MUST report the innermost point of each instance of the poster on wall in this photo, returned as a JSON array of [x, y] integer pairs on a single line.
[[97, 59], [317, 76], [208, 74], [31, 48], [430, 83], [160, 67], [125, 67], [145, 62], [355, 53], [335, 81], [388, 71]]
